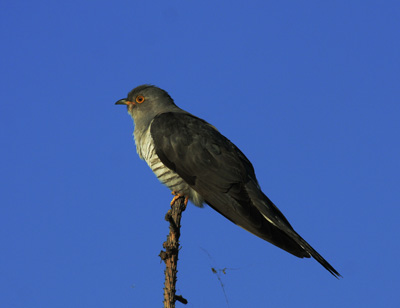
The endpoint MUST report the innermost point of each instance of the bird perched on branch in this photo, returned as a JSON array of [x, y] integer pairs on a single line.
[[196, 161]]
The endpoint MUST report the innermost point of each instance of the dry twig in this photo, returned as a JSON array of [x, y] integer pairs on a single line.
[[170, 254]]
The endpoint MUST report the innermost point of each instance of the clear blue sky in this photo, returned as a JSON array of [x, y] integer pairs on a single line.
[[309, 90]]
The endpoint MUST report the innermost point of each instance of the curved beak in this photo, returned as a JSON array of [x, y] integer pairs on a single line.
[[123, 101]]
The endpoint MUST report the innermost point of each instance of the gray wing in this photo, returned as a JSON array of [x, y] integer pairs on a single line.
[[216, 169]]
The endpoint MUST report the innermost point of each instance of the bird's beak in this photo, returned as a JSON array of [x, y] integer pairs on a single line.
[[124, 101]]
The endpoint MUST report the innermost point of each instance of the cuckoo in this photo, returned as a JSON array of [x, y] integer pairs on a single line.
[[193, 159]]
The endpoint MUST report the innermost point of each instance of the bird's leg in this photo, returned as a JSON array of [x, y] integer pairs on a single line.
[[177, 196]]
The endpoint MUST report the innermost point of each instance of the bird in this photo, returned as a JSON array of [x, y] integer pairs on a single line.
[[194, 160]]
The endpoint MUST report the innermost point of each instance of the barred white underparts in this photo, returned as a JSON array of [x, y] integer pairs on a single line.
[[145, 149]]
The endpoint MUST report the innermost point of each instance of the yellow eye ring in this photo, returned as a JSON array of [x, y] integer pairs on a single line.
[[139, 99]]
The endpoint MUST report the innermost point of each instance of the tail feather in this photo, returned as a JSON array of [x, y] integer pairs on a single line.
[[303, 250], [313, 253]]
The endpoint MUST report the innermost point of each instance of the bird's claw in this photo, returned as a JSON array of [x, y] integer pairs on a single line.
[[177, 196]]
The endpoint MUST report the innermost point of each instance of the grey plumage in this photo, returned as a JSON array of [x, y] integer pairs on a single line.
[[192, 158]]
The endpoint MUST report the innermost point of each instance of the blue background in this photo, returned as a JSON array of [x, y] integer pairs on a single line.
[[308, 90]]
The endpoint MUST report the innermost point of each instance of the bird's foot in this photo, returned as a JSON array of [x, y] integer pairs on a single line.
[[177, 196]]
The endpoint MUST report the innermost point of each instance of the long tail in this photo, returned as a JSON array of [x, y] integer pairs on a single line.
[[304, 249], [313, 253]]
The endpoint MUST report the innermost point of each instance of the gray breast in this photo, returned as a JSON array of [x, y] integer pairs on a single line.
[[145, 149]]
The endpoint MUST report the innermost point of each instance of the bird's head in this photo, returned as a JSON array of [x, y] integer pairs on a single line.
[[145, 102]]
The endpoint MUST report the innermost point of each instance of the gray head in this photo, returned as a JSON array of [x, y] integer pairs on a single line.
[[145, 102]]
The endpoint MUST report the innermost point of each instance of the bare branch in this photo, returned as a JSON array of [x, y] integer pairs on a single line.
[[170, 255]]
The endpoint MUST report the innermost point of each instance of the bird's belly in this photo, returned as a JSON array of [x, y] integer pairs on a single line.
[[167, 176]]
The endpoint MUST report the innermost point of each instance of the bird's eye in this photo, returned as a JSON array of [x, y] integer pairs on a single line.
[[139, 99]]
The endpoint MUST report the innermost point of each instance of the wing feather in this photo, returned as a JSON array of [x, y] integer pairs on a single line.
[[216, 169]]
